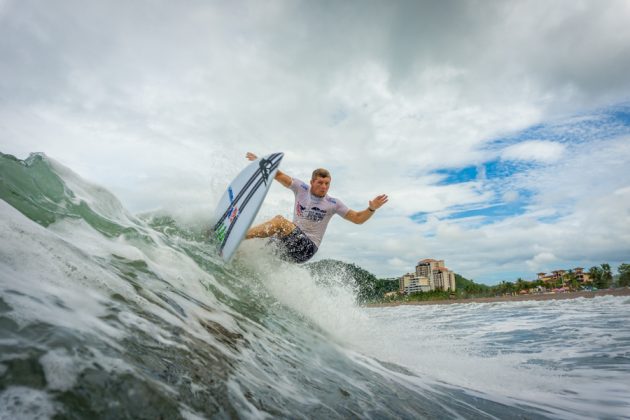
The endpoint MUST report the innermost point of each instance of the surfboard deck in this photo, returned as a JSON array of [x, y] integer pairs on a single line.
[[241, 201]]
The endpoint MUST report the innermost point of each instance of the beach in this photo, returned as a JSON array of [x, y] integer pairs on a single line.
[[621, 291]]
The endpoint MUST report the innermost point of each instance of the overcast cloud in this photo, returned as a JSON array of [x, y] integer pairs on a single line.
[[501, 130]]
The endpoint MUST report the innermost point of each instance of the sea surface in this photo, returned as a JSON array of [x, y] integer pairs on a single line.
[[105, 314]]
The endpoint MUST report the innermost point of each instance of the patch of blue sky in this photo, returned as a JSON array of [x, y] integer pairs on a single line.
[[602, 124], [507, 277], [494, 169], [420, 217], [457, 176], [498, 168], [551, 219], [482, 215], [338, 116], [622, 114], [494, 212], [498, 174]]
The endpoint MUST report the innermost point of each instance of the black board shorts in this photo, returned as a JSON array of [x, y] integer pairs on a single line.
[[296, 246]]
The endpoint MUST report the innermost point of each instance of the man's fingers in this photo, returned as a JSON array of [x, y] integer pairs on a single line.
[[379, 201]]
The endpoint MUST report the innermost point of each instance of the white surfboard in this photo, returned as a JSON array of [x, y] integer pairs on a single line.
[[240, 203]]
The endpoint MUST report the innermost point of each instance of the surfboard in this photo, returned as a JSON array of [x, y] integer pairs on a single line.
[[240, 203]]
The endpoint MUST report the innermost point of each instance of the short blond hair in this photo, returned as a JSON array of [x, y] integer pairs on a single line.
[[320, 173]]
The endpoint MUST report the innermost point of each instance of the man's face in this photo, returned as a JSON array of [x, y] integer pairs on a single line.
[[319, 186]]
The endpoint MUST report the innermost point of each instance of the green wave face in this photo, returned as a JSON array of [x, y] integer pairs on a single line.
[[33, 188], [36, 188]]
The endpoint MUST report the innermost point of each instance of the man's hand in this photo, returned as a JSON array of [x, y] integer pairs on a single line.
[[378, 201], [360, 217], [281, 177]]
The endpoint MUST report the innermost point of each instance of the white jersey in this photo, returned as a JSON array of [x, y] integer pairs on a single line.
[[311, 213]]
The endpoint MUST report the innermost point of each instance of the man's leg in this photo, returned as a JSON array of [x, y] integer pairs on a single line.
[[276, 226]]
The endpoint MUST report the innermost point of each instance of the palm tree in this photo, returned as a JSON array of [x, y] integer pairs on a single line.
[[606, 278], [624, 275], [571, 280], [595, 273]]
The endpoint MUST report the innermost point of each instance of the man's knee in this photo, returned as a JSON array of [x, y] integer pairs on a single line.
[[280, 220], [285, 225]]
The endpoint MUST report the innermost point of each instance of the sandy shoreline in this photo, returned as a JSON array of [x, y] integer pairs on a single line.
[[625, 291]]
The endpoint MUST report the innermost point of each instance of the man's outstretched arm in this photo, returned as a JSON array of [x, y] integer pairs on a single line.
[[360, 217], [281, 177]]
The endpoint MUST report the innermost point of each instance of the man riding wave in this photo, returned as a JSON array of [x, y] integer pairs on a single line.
[[299, 239]]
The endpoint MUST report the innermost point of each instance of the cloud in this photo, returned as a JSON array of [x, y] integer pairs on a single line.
[[510, 196], [579, 214], [399, 263], [159, 101], [535, 150]]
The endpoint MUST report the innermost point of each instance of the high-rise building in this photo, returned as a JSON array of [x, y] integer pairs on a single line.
[[429, 275]]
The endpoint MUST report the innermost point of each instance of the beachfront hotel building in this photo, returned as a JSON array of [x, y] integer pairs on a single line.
[[429, 275], [563, 276]]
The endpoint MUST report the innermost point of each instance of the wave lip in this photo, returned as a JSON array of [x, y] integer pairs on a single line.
[[46, 191]]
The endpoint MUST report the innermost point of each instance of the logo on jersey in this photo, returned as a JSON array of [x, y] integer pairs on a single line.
[[299, 209], [314, 214]]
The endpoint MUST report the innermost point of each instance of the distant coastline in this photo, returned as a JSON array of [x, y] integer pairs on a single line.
[[621, 291]]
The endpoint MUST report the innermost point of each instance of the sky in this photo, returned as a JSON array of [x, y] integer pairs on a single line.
[[499, 130]]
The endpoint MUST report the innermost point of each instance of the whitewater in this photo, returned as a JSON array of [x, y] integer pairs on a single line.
[[106, 314]]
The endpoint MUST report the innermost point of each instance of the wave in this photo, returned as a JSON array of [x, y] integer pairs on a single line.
[[107, 314]]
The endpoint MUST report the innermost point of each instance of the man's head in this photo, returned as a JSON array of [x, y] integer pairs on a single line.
[[320, 182]]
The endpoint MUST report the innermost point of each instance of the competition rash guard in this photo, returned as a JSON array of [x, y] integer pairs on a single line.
[[311, 213]]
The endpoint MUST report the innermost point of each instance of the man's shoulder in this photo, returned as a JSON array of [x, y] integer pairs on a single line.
[[338, 206], [331, 200], [301, 184], [298, 183]]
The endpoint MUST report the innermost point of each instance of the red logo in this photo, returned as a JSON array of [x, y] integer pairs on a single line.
[[233, 214]]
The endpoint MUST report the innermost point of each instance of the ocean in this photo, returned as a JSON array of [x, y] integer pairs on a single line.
[[106, 314]]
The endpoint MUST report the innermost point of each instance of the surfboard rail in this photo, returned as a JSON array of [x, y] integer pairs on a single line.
[[241, 202]]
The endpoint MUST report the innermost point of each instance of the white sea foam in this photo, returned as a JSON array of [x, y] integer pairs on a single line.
[[61, 369], [242, 401], [188, 414], [21, 403], [329, 302], [490, 348], [510, 353], [47, 277], [53, 278]]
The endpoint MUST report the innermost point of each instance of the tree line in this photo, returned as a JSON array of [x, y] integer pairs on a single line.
[[368, 288], [601, 277]]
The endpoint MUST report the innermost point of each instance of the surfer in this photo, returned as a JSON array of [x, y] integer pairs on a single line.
[[299, 239]]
